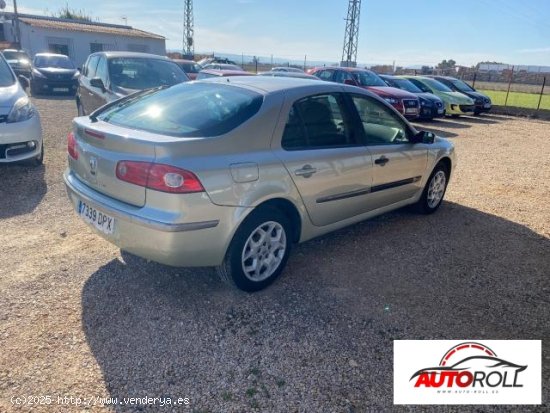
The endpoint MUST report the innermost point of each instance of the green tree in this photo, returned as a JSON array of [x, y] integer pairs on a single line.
[[72, 14], [446, 64]]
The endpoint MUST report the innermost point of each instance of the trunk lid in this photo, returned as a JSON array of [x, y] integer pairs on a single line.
[[100, 147]]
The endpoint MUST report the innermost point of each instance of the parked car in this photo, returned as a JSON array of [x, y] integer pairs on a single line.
[[19, 61], [207, 73], [456, 103], [300, 75], [430, 105], [406, 103], [53, 73], [286, 69], [221, 66], [208, 60], [108, 76], [190, 67], [232, 174], [482, 102], [20, 128]]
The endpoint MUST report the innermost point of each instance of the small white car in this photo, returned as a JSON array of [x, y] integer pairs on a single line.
[[20, 128]]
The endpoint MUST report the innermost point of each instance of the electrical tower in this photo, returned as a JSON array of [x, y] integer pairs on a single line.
[[188, 30], [351, 38]]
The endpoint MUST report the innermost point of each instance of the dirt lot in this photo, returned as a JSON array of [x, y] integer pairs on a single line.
[[78, 319]]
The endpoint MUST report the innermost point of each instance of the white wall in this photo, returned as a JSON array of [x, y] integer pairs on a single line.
[[35, 40]]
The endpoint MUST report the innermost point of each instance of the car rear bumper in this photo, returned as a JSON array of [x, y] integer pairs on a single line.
[[15, 138], [140, 231]]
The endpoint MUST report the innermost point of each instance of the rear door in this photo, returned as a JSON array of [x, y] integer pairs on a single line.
[[85, 90], [330, 167], [398, 165]]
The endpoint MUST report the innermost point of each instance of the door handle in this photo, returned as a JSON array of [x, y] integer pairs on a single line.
[[381, 161], [306, 171]]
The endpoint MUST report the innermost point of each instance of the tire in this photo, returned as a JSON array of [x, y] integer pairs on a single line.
[[80, 109], [270, 221], [428, 204]]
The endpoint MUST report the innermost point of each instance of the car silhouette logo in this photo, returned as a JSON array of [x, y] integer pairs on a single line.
[[93, 165]]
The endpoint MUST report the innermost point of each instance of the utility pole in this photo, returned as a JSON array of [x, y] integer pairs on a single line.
[[188, 30], [16, 19], [351, 37]]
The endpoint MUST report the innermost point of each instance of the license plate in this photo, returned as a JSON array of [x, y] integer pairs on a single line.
[[487, 105], [411, 110], [60, 89], [97, 218]]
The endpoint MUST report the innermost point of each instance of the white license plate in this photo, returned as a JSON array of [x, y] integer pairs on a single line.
[[487, 105], [100, 220], [60, 89], [411, 110]]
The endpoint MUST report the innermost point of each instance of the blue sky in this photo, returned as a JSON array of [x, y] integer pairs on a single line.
[[411, 32]]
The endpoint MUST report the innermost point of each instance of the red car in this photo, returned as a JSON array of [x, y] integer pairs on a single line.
[[406, 103]]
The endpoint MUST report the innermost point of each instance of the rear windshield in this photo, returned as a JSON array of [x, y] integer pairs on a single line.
[[187, 110], [142, 73], [6, 77], [58, 62]]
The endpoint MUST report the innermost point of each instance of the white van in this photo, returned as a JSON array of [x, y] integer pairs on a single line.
[[20, 128]]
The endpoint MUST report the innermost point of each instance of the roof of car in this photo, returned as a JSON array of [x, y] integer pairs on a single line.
[[225, 72], [271, 84], [184, 61], [50, 55], [131, 54]]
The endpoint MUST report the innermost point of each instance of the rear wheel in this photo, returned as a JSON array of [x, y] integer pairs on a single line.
[[259, 250], [434, 191]]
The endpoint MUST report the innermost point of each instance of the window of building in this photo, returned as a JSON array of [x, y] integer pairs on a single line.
[[101, 47], [60, 45]]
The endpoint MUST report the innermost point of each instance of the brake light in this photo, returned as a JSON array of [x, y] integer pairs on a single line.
[[160, 177], [72, 146]]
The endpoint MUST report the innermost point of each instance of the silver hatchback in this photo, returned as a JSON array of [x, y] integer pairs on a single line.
[[232, 172]]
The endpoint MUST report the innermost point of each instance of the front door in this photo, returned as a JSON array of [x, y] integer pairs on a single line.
[[398, 165], [330, 167]]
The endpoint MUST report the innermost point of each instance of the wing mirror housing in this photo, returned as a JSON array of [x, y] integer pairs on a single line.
[[424, 137], [97, 82]]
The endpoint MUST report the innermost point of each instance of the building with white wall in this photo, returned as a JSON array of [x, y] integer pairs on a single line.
[[76, 38]]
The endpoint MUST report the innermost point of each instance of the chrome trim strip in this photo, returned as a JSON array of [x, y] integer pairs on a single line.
[[344, 195], [395, 184], [72, 187]]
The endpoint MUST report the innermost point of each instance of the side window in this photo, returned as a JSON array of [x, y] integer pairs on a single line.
[[342, 76], [325, 75], [318, 122], [381, 125], [91, 67], [102, 70]]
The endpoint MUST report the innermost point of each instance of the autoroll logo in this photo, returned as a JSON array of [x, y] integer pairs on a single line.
[[468, 372]]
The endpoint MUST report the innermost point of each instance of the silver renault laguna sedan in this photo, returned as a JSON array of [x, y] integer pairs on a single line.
[[231, 172]]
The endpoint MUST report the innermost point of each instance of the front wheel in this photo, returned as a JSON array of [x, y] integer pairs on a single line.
[[259, 250], [434, 191]]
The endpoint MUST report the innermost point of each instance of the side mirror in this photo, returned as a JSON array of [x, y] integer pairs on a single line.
[[97, 82], [350, 82], [424, 137]]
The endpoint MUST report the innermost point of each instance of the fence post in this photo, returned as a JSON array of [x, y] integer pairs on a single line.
[[474, 81], [256, 60], [541, 92], [509, 84], [305, 62]]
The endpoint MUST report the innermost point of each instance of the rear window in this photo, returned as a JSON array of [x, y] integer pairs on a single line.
[[187, 110]]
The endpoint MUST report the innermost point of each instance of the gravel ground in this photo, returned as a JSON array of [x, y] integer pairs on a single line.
[[79, 319]]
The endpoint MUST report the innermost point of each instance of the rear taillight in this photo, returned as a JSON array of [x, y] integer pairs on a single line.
[[159, 177], [72, 146]]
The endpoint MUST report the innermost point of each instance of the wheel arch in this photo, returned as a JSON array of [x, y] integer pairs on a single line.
[[289, 209]]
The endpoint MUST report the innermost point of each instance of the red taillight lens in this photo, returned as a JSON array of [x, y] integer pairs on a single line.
[[71, 146], [159, 177]]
